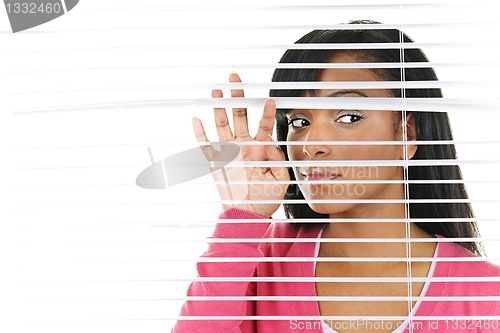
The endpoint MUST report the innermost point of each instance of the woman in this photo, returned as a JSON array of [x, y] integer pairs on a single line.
[[285, 289]]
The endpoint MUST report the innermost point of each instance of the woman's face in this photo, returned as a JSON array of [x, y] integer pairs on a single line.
[[347, 125]]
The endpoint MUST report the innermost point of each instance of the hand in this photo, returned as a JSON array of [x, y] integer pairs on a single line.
[[268, 190]]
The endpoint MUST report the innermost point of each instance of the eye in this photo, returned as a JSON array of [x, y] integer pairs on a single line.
[[298, 122], [350, 118]]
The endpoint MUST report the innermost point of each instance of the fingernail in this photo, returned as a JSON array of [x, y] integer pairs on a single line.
[[197, 128], [271, 100], [234, 75]]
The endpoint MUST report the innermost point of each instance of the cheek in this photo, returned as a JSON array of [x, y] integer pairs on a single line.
[[376, 152], [294, 152], [293, 155]]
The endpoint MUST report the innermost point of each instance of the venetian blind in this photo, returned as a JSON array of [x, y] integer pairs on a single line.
[[97, 95]]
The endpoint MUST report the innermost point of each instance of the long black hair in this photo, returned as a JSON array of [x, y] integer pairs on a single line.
[[430, 126]]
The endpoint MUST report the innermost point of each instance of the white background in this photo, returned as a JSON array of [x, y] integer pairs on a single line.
[[85, 250]]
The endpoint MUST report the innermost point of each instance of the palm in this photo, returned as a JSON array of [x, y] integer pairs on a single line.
[[242, 185]]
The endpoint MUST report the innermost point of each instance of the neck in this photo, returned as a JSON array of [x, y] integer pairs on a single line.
[[380, 229], [376, 230]]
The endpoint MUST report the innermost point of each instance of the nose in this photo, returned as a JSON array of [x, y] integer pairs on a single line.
[[317, 149]]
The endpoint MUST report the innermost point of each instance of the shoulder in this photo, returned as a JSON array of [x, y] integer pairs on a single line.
[[274, 243], [477, 272], [475, 266], [292, 230]]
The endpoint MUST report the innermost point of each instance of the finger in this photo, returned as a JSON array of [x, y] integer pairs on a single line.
[[221, 121], [266, 123], [201, 137], [273, 153], [240, 120]]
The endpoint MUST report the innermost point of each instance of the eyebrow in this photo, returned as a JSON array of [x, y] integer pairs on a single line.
[[339, 93], [345, 92]]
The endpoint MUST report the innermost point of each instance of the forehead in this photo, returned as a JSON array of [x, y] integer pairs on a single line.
[[347, 74]]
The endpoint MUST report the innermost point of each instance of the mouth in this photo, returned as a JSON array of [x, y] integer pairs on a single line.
[[318, 174]]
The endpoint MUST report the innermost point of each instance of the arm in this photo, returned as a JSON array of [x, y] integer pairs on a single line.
[[225, 269], [240, 186]]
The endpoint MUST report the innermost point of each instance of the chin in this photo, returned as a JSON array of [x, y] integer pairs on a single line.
[[321, 208], [329, 192], [329, 208]]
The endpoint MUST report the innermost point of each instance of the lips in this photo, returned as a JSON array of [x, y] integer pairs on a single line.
[[317, 173]]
